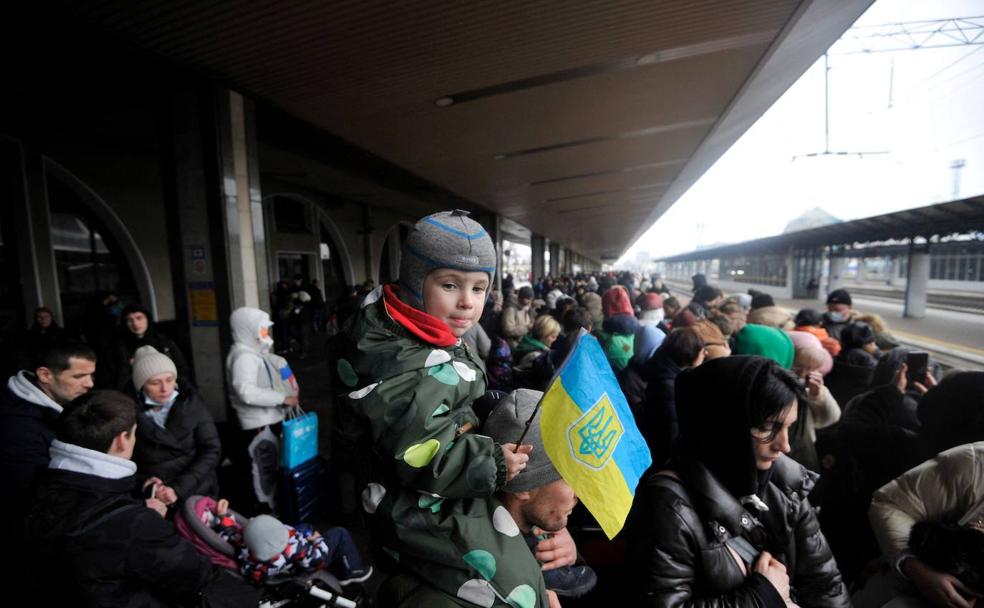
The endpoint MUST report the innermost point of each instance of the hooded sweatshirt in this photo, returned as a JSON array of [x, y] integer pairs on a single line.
[[260, 381], [27, 421], [110, 549]]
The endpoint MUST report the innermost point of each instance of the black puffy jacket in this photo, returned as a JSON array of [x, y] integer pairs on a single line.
[[184, 455], [679, 525]]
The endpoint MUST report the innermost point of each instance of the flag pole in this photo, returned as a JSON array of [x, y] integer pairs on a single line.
[[580, 334]]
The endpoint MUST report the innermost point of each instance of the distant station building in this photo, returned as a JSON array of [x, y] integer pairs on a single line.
[[928, 254]]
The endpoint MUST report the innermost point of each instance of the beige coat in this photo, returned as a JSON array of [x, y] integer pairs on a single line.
[[949, 487], [516, 321], [772, 316], [823, 411]]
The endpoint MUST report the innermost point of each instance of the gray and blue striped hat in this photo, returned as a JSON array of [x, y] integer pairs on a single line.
[[448, 239]]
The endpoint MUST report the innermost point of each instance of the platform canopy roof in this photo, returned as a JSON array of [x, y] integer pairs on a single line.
[[582, 121], [934, 221]]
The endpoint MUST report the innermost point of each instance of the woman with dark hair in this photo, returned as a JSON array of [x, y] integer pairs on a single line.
[[727, 522], [657, 420], [137, 329]]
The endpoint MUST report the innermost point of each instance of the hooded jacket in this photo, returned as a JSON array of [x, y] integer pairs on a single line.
[[250, 369], [110, 549], [428, 478], [681, 520], [27, 427]]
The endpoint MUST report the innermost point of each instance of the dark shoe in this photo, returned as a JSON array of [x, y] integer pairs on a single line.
[[357, 576], [570, 581]]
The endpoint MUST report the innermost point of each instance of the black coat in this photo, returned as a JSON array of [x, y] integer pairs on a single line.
[[26, 431], [184, 455], [676, 542], [658, 423], [91, 541]]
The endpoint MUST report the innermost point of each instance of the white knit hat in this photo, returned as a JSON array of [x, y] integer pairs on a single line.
[[147, 363], [265, 537]]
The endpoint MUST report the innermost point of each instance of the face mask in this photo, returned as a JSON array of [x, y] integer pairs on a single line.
[[837, 317], [266, 341]]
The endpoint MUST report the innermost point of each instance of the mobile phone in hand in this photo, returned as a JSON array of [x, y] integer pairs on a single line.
[[918, 363]]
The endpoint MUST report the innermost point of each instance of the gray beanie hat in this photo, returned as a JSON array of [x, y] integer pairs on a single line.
[[448, 239], [506, 423], [147, 363], [265, 537]]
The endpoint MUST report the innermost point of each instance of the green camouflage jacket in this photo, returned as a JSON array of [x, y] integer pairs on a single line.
[[428, 479]]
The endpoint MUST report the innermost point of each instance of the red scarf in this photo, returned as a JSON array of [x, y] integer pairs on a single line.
[[429, 329]]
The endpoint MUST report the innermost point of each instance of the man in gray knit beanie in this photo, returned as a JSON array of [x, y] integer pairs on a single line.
[[448, 239], [538, 498]]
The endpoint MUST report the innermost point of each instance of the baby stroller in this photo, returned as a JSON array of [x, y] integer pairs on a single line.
[[317, 588]]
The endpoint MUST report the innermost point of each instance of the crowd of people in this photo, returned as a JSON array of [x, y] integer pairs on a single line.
[[800, 458]]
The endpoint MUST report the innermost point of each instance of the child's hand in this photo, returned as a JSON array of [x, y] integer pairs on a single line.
[[516, 458], [222, 507], [153, 503], [166, 495]]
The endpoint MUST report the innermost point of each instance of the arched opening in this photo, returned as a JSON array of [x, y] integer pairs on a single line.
[[94, 256], [323, 257]]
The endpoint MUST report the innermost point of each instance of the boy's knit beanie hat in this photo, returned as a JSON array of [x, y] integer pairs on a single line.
[[505, 425], [265, 537], [448, 239], [147, 363]]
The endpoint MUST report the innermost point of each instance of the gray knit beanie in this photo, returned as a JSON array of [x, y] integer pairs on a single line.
[[147, 363], [448, 239], [265, 537], [505, 425]]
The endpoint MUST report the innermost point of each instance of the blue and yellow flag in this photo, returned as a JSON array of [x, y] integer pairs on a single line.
[[590, 435]]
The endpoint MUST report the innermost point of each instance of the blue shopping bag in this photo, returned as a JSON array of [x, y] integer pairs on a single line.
[[300, 438]]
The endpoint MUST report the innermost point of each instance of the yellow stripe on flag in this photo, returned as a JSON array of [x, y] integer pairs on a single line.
[[603, 490]]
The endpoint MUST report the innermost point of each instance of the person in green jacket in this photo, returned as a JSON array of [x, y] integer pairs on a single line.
[[409, 435]]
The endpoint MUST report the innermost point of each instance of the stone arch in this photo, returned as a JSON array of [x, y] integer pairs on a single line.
[[323, 219], [102, 210]]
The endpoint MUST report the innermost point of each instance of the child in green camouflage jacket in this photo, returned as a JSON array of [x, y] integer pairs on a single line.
[[428, 479]]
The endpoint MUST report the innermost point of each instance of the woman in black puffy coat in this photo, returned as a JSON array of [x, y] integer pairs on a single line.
[[177, 441], [727, 521]]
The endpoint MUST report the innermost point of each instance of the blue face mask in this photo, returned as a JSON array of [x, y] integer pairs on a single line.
[[171, 399], [837, 317]]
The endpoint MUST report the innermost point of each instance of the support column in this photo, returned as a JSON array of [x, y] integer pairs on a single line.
[[568, 261], [555, 260], [245, 238], [917, 282], [366, 232], [835, 280], [197, 202], [537, 263], [27, 204]]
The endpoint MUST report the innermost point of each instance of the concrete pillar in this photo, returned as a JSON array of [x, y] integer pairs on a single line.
[[239, 183], [26, 200], [366, 232], [917, 283], [555, 260], [195, 199], [838, 265], [568, 261], [537, 263]]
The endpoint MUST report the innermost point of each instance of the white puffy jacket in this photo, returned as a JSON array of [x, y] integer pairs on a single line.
[[256, 403], [949, 488]]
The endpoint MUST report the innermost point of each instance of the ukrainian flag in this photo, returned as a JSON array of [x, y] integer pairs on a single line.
[[590, 435]]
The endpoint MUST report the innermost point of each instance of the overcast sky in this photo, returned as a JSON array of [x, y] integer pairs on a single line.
[[925, 113]]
